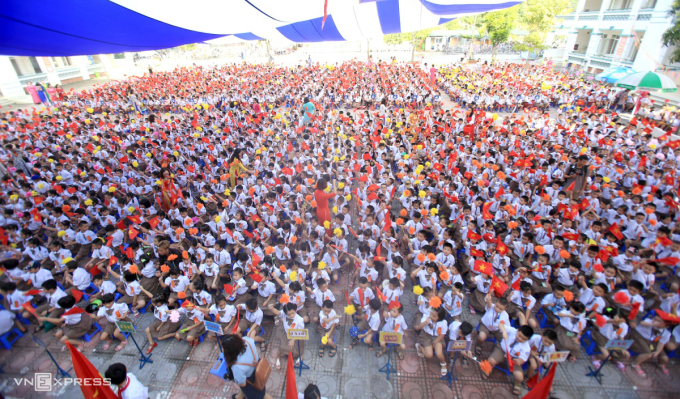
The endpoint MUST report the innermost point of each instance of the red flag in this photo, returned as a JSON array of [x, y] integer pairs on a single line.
[[499, 287], [515, 284], [571, 186], [511, 365], [485, 211], [634, 311], [291, 387], [533, 381], [584, 204], [671, 261], [154, 222], [483, 267], [501, 248], [388, 221], [476, 253], [499, 192], [571, 236], [113, 260], [30, 309], [132, 233], [85, 370], [77, 295], [544, 386], [473, 236], [614, 229]]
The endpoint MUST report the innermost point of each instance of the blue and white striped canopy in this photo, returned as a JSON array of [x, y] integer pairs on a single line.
[[80, 27]]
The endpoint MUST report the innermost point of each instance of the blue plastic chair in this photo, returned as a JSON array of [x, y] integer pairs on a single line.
[[10, 337], [89, 335], [543, 319], [589, 344]]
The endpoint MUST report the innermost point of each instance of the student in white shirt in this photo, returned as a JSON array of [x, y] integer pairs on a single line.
[[127, 384], [430, 341], [516, 343]]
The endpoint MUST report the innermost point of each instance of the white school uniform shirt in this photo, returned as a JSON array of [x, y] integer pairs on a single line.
[[81, 278], [178, 284], [434, 329], [252, 317], [536, 345], [107, 287], [159, 313], [653, 334], [319, 296], [516, 349], [223, 316], [454, 328], [610, 331], [454, 302], [121, 308], [492, 319], [52, 299], [326, 325], [395, 324], [133, 389], [592, 303]]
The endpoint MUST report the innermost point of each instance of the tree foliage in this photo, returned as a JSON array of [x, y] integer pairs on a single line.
[[671, 37], [536, 16], [498, 25]]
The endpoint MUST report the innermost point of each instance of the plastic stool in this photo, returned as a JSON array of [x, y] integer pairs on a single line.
[[589, 344], [88, 336], [10, 337], [543, 319]]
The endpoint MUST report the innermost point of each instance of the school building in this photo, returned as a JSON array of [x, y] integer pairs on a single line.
[[612, 33]]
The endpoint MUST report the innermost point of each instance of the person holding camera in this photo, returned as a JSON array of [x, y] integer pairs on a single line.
[[242, 360]]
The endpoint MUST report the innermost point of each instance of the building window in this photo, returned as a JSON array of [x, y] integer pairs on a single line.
[[649, 4], [621, 5], [608, 44]]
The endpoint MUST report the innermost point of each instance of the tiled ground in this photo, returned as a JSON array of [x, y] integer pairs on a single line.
[[181, 372]]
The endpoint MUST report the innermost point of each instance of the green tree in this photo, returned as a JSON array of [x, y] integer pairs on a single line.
[[539, 17], [498, 25], [671, 37]]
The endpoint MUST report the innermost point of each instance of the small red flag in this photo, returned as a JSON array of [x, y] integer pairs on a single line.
[[571, 186], [498, 286], [291, 386]]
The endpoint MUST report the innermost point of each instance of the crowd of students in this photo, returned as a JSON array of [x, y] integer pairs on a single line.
[[200, 194]]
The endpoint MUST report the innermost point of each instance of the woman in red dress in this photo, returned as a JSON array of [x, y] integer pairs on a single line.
[[321, 197], [169, 191]]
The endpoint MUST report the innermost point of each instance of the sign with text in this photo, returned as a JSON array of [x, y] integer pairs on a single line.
[[213, 327], [554, 357], [619, 344], [391, 337], [125, 326], [459, 346], [298, 334]]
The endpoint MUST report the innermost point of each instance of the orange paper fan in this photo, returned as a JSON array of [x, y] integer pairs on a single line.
[[284, 299], [172, 257], [568, 296], [133, 269], [485, 366], [165, 268], [181, 295], [435, 302], [564, 254]]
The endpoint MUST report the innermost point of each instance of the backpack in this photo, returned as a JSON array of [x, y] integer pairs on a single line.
[[262, 370]]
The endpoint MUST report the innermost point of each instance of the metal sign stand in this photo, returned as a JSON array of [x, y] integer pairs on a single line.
[[61, 373]]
